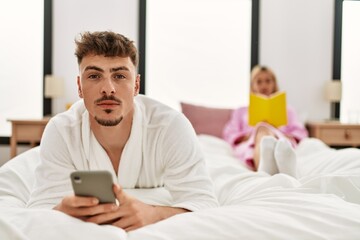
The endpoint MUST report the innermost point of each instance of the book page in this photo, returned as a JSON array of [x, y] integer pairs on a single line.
[[268, 109]]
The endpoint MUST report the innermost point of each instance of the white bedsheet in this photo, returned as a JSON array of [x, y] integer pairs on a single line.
[[322, 204]]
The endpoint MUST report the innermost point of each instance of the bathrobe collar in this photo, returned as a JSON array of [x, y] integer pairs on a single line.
[[131, 158]]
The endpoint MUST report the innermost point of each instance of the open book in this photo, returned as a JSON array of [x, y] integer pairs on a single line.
[[270, 109]]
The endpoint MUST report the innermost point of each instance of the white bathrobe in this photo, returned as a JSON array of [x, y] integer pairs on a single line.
[[162, 151]]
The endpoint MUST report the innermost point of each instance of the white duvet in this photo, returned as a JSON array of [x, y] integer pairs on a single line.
[[324, 203]]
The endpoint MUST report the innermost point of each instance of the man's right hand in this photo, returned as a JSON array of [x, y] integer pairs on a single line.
[[84, 207]]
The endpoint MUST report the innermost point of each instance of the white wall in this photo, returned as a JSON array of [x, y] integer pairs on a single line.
[[296, 40]]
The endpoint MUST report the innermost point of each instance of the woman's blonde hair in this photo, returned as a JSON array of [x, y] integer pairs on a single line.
[[258, 69]]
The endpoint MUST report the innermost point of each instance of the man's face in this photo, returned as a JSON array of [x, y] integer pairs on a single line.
[[108, 86]]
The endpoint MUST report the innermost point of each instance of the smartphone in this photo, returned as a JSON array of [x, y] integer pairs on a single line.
[[97, 184]]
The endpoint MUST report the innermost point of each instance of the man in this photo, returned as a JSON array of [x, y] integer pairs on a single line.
[[143, 143]]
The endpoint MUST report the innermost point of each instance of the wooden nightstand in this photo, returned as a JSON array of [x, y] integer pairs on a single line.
[[334, 133], [26, 131]]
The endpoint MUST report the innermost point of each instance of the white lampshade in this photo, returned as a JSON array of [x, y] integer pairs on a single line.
[[54, 86], [333, 91]]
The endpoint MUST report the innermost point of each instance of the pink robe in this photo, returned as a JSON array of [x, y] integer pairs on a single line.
[[238, 127]]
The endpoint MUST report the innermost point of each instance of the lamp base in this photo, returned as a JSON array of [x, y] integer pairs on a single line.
[[335, 110]]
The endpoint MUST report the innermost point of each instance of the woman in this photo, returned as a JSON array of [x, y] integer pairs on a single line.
[[246, 139]]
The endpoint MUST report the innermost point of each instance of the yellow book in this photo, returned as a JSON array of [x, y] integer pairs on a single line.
[[270, 109]]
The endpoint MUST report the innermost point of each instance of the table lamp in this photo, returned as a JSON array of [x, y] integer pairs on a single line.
[[333, 95], [54, 86]]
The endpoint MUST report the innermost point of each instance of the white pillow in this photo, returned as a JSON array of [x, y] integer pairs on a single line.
[[17, 178]]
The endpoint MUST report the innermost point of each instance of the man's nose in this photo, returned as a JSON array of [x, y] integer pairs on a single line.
[[108, 87]]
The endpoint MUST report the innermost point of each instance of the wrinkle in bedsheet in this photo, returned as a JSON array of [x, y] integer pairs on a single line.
[[323, 205], [45, 224]]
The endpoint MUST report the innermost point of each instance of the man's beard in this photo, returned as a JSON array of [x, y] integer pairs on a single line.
[[105, 122], [108, 123]]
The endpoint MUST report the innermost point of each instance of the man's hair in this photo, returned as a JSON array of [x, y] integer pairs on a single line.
[[107, 43]]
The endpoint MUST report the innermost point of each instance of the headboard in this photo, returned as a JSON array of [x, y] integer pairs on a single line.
[[206, 120]]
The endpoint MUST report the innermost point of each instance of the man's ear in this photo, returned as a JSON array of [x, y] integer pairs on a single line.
[[79, 87], [137, 85]]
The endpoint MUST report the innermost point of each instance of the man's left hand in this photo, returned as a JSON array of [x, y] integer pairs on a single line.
[[132, 213]]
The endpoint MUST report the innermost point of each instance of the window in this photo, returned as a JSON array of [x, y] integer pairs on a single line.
[[350, 58], [198, 51], [21, 85]]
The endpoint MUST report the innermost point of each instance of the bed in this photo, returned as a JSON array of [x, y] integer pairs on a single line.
[[323, 203]]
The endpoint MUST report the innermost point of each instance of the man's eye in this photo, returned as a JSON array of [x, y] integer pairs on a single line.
[[93, 76], [119, 76]]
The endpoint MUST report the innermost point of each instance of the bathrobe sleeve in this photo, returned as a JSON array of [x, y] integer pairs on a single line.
[[185, 173], [61, 153], [52, 176]]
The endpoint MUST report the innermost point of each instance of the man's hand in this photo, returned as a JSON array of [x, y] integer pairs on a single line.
[[83, 207], [132, 213]]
